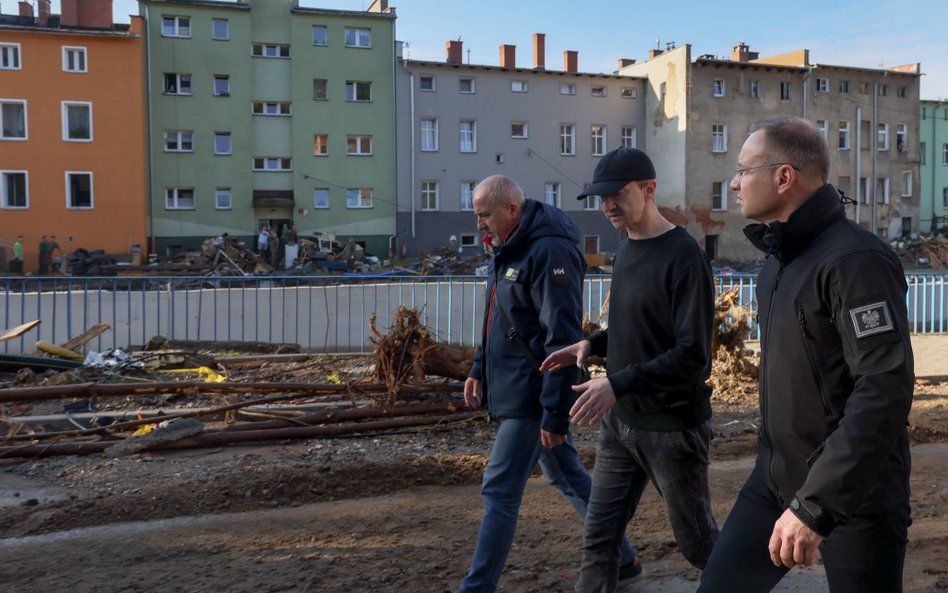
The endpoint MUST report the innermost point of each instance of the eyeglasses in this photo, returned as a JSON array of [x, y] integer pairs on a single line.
[[741, 170]]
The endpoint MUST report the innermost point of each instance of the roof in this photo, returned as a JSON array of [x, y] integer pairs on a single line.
[[424, 63]]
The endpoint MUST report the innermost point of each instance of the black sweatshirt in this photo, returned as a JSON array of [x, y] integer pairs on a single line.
[[661, 315]]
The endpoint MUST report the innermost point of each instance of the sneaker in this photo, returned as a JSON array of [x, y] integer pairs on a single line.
[[629, 572]]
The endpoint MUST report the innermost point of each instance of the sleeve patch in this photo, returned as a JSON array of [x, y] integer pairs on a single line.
[[871, 319], [560, 277]]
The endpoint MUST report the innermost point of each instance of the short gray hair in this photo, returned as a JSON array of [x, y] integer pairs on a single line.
[[503, 189], [798, 142]]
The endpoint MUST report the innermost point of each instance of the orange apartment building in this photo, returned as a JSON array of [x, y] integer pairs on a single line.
[[72, 141]]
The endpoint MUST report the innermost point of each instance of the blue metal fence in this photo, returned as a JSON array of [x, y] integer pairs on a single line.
[[322, 313]]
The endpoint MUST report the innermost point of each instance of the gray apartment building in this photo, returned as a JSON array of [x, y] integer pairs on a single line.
[[459, 123]]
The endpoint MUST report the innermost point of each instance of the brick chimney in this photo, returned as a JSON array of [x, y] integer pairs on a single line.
[[742, 53], [43, 18], [654, 52], [96, 14], [26, 9], [539, 51], [69, 10], [455, 53], [570, 61], [625, 62], [508, 56]]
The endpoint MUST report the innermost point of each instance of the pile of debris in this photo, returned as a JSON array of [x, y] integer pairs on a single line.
[[83, 262], [925, 251], [733, 370], [446, 261]]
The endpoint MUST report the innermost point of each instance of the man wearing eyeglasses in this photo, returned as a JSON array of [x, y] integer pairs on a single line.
[[836, 376]]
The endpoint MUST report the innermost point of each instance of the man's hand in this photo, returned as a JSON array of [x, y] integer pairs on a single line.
[[792, 542], [550, 440], [575, 354], [472, 393], [595, 399]]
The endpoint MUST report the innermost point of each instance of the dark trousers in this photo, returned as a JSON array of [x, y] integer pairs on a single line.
[[864, 556]]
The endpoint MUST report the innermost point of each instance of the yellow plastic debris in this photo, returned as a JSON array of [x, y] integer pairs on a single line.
[[210, 375]]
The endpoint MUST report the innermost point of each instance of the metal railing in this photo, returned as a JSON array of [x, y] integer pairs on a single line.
[[320, 313]]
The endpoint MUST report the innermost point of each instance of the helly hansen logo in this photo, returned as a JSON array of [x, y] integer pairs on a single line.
[[871, 319], [559, 276], [559, 271]]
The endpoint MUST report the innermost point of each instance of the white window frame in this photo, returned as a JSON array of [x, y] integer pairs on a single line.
[[629, 92], [360, 37], [69, 205], [356, 144], [179, 24], [519, 86], [179, 138], [718, 137], [320, 140], [944, 153], [356, 199], [753, 89], [822, 85], [65, 117], [629, 137], [567, 139], [467, 240], [553, 193], [427, 83], [785, 91], [282, 164], [823, 126], [567, 88], [428, 132], [226, 80], [882, 137], [272, 108], [276, 51], [524, 130], [592, 202], [901, 138], [467, 136], [718, 87], [599, 90], [944, 197], [466, 194], [352, 90], [214, 35], [884, 186], [473, 85], [82, 55], [430, 199], [11, 56], [26, 120], [844, 140], [230, 145], [325, 35], [174, 197], [318, 203], [179, 79], [907, 182], [219, 192], [4, 195], [722, 196], [599, 142]]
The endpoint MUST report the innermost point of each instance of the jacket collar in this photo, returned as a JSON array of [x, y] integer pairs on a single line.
[[786, 240]]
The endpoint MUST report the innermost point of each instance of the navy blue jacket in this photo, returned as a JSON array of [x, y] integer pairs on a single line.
[[537, 276]]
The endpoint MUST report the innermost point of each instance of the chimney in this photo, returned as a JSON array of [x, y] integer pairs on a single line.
[[26, 9], [654, 52], [508, 56], [43, 18], [625, 62], [95, 14], [742, 53], [455, 52], [570, 61], [539, 51], [69, 10]]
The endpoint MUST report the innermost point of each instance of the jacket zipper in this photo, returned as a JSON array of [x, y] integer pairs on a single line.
[[763, 383], [814, 370]]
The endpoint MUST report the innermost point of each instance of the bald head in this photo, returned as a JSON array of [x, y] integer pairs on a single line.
[[498, 202], [500, 189]]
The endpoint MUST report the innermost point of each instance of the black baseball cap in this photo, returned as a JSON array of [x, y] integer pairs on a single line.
[[616, 169]]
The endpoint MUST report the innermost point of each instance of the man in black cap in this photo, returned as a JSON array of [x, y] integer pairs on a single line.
[[654, 402]]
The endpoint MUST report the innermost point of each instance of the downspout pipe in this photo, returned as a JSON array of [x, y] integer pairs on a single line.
[[148, 127]]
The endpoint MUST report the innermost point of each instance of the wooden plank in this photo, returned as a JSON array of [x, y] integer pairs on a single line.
[[18, 331], [85, 337]]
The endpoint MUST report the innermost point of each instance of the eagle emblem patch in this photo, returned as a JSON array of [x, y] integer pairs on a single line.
[[871, 319]]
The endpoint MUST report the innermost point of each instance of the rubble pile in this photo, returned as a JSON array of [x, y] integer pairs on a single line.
[[732, 366], [926, 251], [447, 262]]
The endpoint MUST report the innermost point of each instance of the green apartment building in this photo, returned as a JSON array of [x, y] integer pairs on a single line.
[[933, 131], [263, 112]]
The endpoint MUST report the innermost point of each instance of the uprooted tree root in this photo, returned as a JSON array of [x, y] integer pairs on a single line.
[[731, 367]]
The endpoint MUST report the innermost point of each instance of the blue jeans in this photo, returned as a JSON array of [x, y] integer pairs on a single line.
[[515, 453], [626, 459]]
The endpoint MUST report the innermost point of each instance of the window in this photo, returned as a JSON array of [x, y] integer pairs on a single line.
[[628, 136], [591, 203], [718, 196], [864, 190], [784, 91], [843, 134], [629, 92], [74, 59], [717, 87], [356, 37], [719, 138], [468, 136], [320, 144], [906, 184], [567, 88], [13, 115], [518, 129], [466, 85], [179, 198], [272, 163], [78, 190], [358, 145], [823, 127], [468, 240], [883, 137], [922, 154], [271, 108], [429, 134], [567, 139], [177, 84], [882, 190], [591, 244], [358, 91], [178, 141], [863, 88], [822, 85], [222, 143], [901, 138], [270, 50], [901, 92], [844, 86], [883, 90], [223, 198], [319, 35], [221, 85], [429, 195], [13, 189], [753, 89], [518, 86], [319, 89], [175, 26], [599, 91], [598, 140], [944, 154], [9, 56], [77, 122], [427, 82], [359, 197], [552, 194], [220, 30], [467, 195], [321, 197], [944, 197]]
